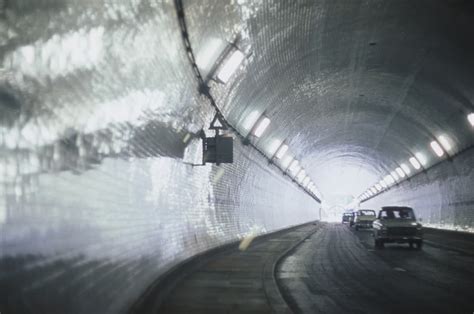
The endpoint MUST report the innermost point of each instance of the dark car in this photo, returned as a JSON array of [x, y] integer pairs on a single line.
[[397, 225]]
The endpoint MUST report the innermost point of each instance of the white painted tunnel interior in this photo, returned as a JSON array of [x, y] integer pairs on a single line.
[[100, 114]]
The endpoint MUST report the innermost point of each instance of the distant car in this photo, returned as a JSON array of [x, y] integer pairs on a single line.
[[397, 225], [348, 218], [364, 218]]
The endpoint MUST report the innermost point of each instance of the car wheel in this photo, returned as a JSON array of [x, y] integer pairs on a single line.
[[419, 244]]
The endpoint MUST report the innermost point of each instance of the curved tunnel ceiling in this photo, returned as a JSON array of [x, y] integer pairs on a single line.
[[357, 87], [354, 87]]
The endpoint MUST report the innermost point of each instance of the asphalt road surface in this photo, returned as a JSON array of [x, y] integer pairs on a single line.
[[337, 270]]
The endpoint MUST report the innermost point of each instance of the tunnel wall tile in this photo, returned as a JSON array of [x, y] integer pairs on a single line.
[[92, 241]]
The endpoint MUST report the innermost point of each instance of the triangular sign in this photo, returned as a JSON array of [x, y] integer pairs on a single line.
[[217, 123]]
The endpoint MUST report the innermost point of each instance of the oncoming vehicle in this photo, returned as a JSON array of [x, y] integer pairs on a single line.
[[364, 218], [348, 218], [397, 225]]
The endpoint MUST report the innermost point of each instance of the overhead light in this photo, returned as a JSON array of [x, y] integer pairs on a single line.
[[470, 118], [261, 126], [389, 180], [300, 175], [415, 163], [378, 187], [383, 184], [274, 147], [286, 161], [281, 151], [293, 165], [400, 172], [394, 175], [437, 148], [445, 142], [421, 158], [230, 66], [251, 119], [406, 169], [374, 190], [305, 181]]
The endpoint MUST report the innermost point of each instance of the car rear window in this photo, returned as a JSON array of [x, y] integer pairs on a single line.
[[367, 212], [397, 213]]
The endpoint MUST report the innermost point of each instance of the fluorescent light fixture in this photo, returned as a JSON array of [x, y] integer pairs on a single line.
[[470, 118], [293, 165], [378, 187], [421, 158], [445, 142], [415, 163], [230, 66], [374, 190], [250, 120], [383, 184], [274, 146], [306, 181], [281, 151], [389, 180], [301, 174], [400, 172], [286, 161], [437, 148], [394, 175], [406, 169], [261, 126]]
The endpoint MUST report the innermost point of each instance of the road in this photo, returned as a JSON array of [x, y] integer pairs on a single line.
[[337, 270]]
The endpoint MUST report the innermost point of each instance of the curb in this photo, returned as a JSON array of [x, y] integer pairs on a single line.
[[151, 299], [271, 287]]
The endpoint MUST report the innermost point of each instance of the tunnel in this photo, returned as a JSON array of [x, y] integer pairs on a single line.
[[141, 141]]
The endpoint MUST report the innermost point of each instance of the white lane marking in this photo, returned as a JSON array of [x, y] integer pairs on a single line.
[[399, 269]]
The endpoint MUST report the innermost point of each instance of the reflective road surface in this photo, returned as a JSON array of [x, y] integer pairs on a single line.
[[337, 270]]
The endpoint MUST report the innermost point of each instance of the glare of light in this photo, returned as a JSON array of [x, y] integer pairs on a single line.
[[383, 184], [394, 175], [445, 142], [421, 158], [281, 151], [250, 120], [378, 187], [230, 66], [470, 118], [414, 162], [208, 54], [400, 172], [437, 148], [406, 169], [261, 126]]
